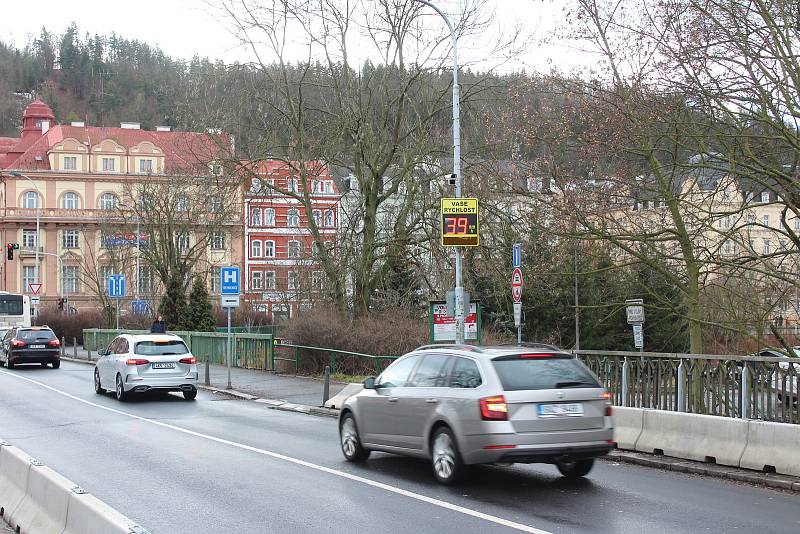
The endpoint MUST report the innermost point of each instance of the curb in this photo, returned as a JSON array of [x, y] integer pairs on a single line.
[[680, 465]]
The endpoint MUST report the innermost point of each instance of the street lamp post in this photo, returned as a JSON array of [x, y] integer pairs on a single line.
[[459, 289], [38, 211]]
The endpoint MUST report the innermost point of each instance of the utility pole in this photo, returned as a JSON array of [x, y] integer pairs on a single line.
[[459, 289]]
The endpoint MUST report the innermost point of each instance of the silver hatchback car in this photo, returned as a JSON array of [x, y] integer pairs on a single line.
[[459, 404]]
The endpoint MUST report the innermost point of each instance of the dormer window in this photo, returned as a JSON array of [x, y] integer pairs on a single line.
[[108, 164], [146, 165], [765, 197], [70, 163]]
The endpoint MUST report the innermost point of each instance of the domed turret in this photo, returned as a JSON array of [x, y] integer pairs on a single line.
[[36, 115]]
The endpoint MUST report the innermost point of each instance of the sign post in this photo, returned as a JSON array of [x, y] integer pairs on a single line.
[[634, 309], [230, 285], [116, 290], [516, 296]]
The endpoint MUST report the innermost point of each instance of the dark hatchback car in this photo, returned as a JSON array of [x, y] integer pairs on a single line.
[[35, 344]]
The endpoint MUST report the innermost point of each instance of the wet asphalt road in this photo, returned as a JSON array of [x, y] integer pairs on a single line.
[[220, 465]]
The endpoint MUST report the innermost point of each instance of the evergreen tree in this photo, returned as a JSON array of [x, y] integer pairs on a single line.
[[200, 314], [173, 306]]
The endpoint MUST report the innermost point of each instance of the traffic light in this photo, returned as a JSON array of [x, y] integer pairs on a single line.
[[61, 304], [10, 251]]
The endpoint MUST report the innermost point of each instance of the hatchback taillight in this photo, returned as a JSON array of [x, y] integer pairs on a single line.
[[54, 343], [190, 360], [17, 343], [494, 408], [136, 361]]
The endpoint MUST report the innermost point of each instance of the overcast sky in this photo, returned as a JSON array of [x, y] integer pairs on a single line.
[[183, 28]]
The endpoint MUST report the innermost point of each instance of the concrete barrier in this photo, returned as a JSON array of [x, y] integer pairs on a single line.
[[44, 508], [89, 515], [628, 423], [14, 468], [772, 446], [348, 391], [694, 437]]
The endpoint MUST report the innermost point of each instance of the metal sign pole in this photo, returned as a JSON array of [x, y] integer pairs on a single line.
[[117, 313], [228, 351]]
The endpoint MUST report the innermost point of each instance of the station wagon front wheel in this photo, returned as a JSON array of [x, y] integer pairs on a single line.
[[350, 440]]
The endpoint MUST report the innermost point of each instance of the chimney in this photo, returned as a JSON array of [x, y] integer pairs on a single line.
[[45, 127], [163, 128], [78, 124], [130, 126]]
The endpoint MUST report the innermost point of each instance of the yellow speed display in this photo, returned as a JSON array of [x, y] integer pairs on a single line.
[[459, 218]]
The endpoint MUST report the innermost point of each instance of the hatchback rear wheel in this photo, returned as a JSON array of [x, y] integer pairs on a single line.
[[445, 458], [576, 469], [350, 441]]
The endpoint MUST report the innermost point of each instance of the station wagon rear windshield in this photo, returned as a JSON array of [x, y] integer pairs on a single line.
[[36, 335], [519, 373], [161, 348]]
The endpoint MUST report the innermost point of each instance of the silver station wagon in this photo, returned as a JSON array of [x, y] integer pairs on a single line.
[[459, 404]]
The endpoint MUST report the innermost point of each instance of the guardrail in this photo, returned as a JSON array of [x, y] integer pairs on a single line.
[[746, 387]]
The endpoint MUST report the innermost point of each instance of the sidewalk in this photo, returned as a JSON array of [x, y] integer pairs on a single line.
[[261, 384]]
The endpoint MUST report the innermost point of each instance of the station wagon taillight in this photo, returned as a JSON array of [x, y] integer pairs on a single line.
[[494, 408], [190, 360], [17, 343], [136, 361], [54, 343]]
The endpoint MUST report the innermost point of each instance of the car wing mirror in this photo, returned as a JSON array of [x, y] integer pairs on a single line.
[[369, 382]]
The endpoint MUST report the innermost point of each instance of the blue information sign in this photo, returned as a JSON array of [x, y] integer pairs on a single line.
[[116, 286], [140, 307], [230, 281], [517, 255]]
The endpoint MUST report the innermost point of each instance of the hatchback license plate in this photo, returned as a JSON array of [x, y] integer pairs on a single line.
[[37, 346], [561, 410], [163, 365]]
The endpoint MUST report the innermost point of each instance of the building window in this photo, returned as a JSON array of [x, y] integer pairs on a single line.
[[70, 163], [108, 201], [291, 185], [29, 240], [109, 164], [292, 218], [765, 197], [256, 279], [329, 218], [255, 185], [765, 220], [781, 226], [182, 203], [70, 239], [216, 204], [797, 223], [216, 273], [317, 217], [726, 195], [294, 249], [182, 241], [269, 249], [317, 280], [766, 246], [69, 278], [751, 218], [255, 249], [269, 217], [146, 279], [103, 273], [269, 280], [28, 277], [218, 241], [69, 201], [291, 280], [146, 165], [30, 200], [782, 244], [728, 246], [255, 216], [146, 202], [748, 197]]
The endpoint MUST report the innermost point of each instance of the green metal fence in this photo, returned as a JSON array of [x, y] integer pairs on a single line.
[[259, 351]]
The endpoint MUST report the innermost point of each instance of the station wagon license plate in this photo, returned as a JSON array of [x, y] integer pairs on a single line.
[[163, 365], [574, 409], [37, 346]]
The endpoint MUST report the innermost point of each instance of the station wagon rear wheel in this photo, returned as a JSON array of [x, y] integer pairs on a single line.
[[447, 465], [97, 387], [350, 440], [122, 395], [576, 469]]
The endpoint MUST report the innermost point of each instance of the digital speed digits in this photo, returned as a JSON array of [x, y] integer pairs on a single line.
[[460, 224]]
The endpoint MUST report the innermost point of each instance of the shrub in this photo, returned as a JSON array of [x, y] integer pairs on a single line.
[[70, 326], [201, 318]]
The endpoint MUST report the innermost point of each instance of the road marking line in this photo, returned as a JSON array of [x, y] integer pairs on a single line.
[[297, 461]]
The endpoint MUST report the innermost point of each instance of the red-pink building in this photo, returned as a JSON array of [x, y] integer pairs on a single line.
[[281, 273]]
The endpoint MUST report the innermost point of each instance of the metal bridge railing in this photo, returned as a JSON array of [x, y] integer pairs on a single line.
[[749, 387]]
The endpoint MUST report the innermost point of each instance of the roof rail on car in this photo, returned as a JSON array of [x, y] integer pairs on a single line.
[[472, 348], [531, 345]]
